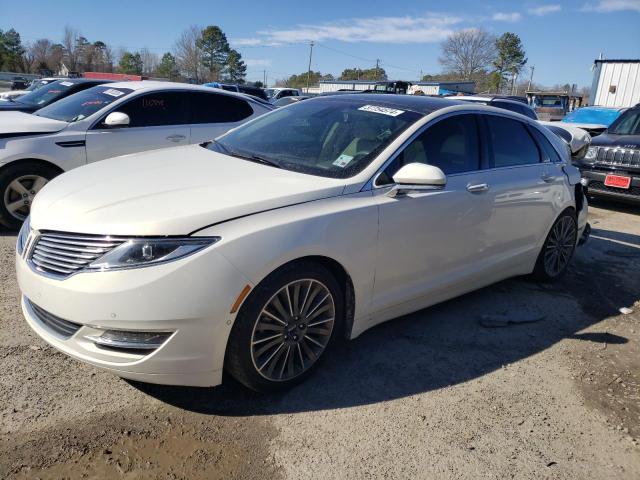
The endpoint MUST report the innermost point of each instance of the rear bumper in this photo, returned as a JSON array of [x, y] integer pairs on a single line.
[[596, 187]]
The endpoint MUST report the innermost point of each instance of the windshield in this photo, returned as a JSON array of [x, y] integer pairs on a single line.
[[330, 138], [627, 124], [592, 115], [80, 105], [270, 92], [41, 97]]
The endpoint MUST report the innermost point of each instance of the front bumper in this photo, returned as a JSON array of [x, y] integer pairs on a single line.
[[191, 298], [596, 187]]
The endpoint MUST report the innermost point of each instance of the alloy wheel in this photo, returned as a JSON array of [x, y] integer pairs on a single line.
[[293, 330], [560, 246], [19, 194]]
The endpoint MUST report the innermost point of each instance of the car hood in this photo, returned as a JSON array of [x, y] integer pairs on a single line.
[[20, 122], [611, 140], [173, 191]]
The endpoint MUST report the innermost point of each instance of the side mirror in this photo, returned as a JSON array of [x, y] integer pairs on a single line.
[[117, 119], [417, 177]]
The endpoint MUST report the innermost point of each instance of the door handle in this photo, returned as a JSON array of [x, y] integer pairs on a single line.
[[478, 188], [548, 178], [176, 138]]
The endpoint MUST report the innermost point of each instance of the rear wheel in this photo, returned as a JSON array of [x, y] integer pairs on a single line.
[[558, 248], [19, 185], [285, 327]]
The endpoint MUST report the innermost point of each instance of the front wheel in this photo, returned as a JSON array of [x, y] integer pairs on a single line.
[[285, 327], [558, 249]]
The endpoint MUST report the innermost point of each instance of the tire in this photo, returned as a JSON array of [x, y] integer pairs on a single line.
[[19, 183], [269, 349], [558, 248]]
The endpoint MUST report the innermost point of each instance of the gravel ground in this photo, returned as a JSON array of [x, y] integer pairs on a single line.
[[441, 393]]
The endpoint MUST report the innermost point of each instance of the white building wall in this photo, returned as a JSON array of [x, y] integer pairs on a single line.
[[334, 87], [625, 76]]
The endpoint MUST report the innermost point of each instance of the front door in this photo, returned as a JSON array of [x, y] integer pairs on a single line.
[[157, 120], [431, 240]]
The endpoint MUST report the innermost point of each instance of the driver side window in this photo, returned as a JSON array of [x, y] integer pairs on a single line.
[[451, 144], [156, 109]]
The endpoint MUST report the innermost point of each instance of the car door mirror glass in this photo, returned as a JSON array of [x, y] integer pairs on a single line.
[[117, 119], [420, 174]]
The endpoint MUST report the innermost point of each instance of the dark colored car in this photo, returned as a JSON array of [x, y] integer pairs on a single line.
[[611, 167], [48, 94], [19, 83], [284, 101], [512, 103], [253, 91]]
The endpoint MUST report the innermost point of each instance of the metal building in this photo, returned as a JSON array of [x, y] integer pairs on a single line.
[[616, 83]]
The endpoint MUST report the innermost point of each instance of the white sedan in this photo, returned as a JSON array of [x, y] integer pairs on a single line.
[[256, 252], [107, 121], [36, 84]]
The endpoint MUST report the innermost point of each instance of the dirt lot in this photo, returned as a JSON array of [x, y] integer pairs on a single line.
[[441, 393]]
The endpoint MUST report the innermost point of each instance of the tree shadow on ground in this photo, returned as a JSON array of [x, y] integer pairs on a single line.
[[445, 345]]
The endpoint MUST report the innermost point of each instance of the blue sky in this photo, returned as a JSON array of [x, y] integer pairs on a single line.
[[562, 38]]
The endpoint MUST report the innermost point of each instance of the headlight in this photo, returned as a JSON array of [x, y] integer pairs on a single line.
[[591, 154], [146, 252], [23, 235]]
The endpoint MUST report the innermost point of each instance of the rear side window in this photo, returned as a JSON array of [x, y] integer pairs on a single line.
[[218, 108], [515, 107], [157, 109], [510, 143], [549, 152]]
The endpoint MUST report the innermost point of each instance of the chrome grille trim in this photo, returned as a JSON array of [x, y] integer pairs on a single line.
[[62, 254], [618, 157], [62, 328]]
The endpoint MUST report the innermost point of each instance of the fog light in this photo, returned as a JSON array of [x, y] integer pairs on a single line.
[[130, 340]]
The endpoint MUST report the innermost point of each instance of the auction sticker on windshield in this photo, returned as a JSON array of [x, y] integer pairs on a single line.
[[392, 112], [113, 92], [343, 160]]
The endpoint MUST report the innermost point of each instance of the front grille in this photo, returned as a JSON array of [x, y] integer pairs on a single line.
[[62, 254], [618, 157], [61, 327], [596, 185]]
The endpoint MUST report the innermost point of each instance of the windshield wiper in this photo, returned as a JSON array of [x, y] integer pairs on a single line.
[[254, 158]]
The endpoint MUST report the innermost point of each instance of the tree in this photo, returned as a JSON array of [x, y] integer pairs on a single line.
[[69, 45], [167, 68], [468, 52], [510, 59], [130, 63], [189, 54], [300, 81], [149, 61], [374, 74], [258, 84], [215, 51], [235, 70], [12, 50]]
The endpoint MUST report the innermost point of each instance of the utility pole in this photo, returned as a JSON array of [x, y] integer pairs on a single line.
[[264, 78], [309, 69], [533, 67], [377, 67]]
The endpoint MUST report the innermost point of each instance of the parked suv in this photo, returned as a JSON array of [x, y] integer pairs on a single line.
[[107, 121], [611, 167]]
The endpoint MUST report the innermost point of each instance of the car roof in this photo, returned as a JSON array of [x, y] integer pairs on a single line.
[[596, 107], [416, 103]]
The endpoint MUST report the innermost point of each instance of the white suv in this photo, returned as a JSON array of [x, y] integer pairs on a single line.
[[107, 121]]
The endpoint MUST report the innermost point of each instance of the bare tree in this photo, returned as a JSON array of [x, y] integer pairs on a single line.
[[41, 52], [70, 50], [468, 52], [189, 54], [28, 59], [150, 61]]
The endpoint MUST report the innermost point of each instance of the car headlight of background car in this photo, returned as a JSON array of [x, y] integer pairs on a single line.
[[143, 252], [591, 154]]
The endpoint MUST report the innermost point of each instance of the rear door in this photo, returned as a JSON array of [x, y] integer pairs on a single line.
[[213, 114], [524, 185], [157, 120]]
